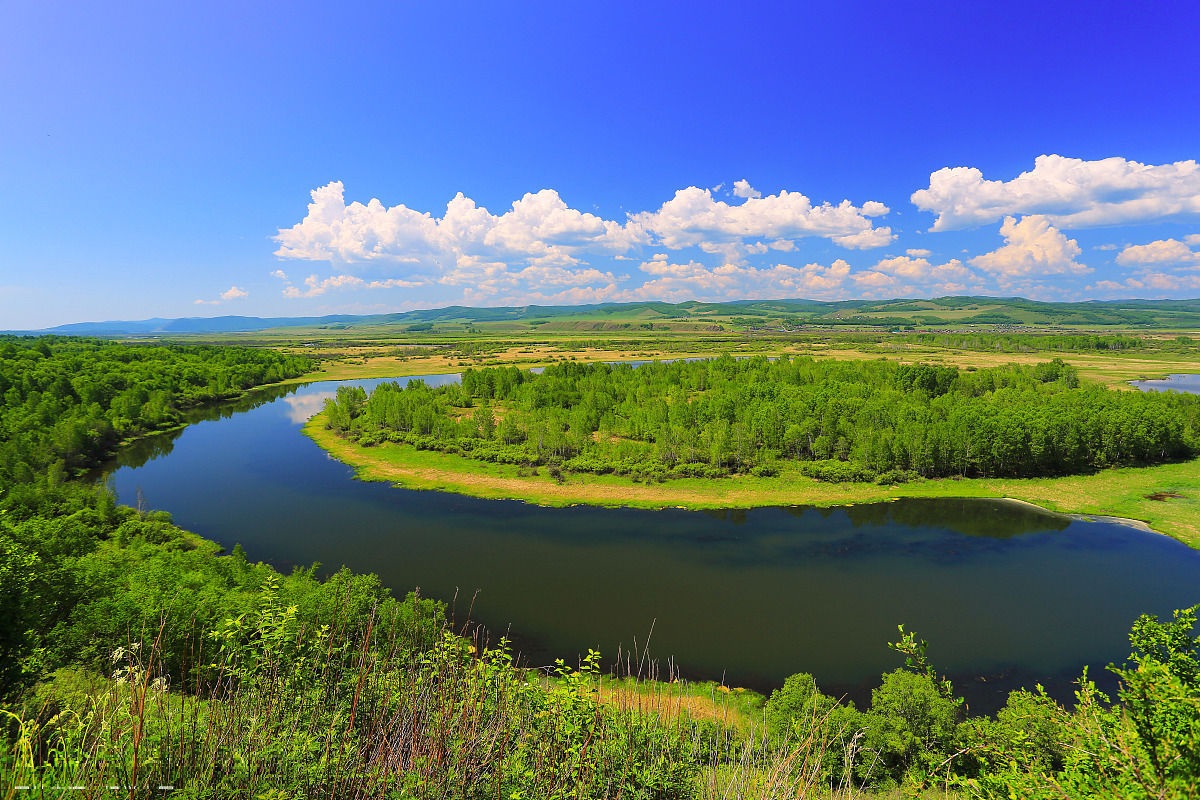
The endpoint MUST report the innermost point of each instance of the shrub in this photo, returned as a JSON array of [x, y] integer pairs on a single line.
[[834, 471]]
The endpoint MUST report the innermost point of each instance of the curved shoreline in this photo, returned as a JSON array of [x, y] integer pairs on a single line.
[[1123, 495], [1141, 525]]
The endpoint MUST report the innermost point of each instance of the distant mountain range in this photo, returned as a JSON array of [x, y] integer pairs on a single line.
[[229, 324], [942, 311]]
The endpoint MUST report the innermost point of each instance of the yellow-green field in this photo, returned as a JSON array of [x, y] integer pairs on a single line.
[[1112, 369]]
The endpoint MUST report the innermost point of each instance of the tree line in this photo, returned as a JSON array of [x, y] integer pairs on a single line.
[[839, 420], [1021, 343]]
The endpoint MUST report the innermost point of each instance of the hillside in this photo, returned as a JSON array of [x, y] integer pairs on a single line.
[[957, 312]]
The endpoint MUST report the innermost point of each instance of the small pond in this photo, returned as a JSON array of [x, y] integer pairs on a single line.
[[1189, 384]]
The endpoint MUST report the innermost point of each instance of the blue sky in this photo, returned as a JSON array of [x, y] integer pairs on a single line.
[[305, 158]]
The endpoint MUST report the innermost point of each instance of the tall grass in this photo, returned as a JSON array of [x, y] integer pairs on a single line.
[[268, 707]]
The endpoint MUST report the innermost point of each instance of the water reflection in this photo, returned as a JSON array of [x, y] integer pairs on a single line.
[[969, 517], [1180, 382], [998, 588], [247, 402], [966, 516], [140, 451], [302, 408]]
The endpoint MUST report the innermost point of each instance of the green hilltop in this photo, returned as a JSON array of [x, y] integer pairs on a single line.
[[956, 312]]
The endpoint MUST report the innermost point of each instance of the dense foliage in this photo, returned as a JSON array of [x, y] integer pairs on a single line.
[[78, 570], [360, 707], [133, 654], [841, 420], [67, 402], [915, 731]]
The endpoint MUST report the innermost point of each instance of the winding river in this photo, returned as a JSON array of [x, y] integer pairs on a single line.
[[1006, 594]]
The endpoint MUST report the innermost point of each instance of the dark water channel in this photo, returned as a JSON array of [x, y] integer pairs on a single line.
[[1006, 594]]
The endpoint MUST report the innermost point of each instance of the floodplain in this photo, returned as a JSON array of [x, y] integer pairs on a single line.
[[1165, 497]]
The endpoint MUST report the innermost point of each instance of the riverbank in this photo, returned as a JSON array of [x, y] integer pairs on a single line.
[[1165, 497]]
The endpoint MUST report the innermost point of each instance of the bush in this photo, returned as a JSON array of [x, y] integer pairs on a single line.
[[894, 476], [834, 471], [798, 703], [910, 726], [694, 470], [769, 470]]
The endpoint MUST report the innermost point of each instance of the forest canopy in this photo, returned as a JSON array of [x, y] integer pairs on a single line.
[[65, 402], [77, 571], [840, 420]]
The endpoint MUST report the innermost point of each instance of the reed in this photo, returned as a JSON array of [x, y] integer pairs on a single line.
[[268, 707]]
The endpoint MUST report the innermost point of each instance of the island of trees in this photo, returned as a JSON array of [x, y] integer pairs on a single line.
[[136, 655], [839, 420]]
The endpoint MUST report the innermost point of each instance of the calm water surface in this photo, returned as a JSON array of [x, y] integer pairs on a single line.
[[1172, 383], [1006, 594]]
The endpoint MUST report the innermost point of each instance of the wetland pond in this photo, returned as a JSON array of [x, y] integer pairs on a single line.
[[1006, 594], [1189, 384]]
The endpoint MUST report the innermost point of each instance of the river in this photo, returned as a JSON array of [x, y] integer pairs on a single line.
[[1006, 594]]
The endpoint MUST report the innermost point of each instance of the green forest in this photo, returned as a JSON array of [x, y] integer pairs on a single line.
[[841, 420], [137, 655], [68, 402]]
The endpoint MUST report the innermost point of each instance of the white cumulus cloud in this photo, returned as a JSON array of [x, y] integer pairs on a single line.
[[693, 218], [539, 237], [542, 245], [1163, 251], [316, 286], [541, 228], [920, 269], [744, 190], [1032, 248], [333, 231], [691, 280], [1165, 265], [867, 239], [1149, 283], [1069, 192], [909, 276], [232, 293]]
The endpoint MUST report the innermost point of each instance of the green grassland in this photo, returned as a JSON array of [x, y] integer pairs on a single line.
[[1133, 339], [649, 321]]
